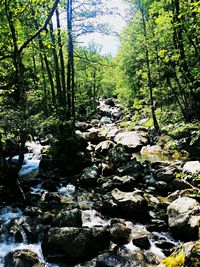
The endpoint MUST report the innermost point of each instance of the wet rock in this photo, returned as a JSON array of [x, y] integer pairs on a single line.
[[47, 217], [157, 225], [103, 147], [184, 218], [89, 176], [132, 205], [49, 186], [187, 254], [166, 173], [51, 198], [151, 150], [192, 167], [133, 140], [118, 155], [120, 234], [21, 258], [161, 187], [111, 259], [180, 184], [135, 258], [46, 163], [109, 132], [124, 183], [141, 240], [133, 168], [81, 126], [149, 179], [110, 102], [107, 169], [74, 244], [68, 218], [32, 211], [92, 135], [33, 229]]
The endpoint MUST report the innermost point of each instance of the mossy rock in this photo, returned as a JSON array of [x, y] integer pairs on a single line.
[[186, 255]]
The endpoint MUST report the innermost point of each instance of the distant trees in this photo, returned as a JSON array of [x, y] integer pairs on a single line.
[[159, 52]]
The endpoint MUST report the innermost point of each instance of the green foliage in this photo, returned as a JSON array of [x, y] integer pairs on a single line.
[[171, 38]]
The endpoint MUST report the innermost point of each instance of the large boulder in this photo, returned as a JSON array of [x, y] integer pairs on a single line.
[[133, 140], [70, 218], [103, 147], [187, 254], [21, 258], [184, 218], [89, 176], [72, 245], [120, 234], [192, 167], [124, 183], [92, 135], [130, 204], [166, 173]]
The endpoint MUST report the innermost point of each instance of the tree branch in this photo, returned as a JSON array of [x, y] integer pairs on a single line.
[[40, 29]]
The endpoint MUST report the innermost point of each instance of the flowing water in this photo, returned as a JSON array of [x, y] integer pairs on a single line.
[[90, 217]]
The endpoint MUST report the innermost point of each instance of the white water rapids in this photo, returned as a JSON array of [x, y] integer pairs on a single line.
[[90, 217]]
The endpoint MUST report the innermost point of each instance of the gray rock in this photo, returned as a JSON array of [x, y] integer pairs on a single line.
[[120, 234], [21, 258], [133, 140], [70, 218], [73, 245], [132, 204], [103, 147], [141, 240], [166, 174], [125, 183], [111, 259], [184, 218], [133, 168], [192, 167], [92, 135], [89, 176]]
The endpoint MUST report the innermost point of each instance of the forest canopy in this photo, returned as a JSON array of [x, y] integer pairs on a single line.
[[47, 77]]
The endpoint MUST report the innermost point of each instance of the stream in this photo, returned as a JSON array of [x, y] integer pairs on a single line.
[[13, 228]]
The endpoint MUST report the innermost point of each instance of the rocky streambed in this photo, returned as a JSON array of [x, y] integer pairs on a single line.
[[119, 211]]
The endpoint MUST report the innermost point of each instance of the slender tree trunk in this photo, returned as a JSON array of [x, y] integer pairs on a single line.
[[57, 72], [176, 97], [155, 122], [45, 98], [70, 65], [53, 95], [62, 64], [19, 92], [94, 89]]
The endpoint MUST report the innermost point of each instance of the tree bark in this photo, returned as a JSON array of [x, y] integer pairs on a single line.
[[155, 122], [56, 63], [62, 63]]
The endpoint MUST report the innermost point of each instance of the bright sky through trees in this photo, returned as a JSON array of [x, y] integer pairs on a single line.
[[109, 43]]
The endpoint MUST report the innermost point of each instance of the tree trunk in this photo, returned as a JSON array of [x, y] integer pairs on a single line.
[[57, 72], [70, 65], [155, 122], [62, 64], [53, 95]]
